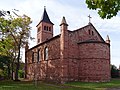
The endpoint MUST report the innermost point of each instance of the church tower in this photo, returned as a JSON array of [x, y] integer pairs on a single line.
[[44, 28]]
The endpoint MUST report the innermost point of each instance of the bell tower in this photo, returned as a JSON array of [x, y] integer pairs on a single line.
[[44, 28]]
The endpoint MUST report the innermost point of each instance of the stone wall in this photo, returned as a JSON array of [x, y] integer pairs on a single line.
[[94, 62], [80, 55], [45, 69]]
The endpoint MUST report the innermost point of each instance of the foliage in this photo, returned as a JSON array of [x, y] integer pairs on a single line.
[[106, 8], [21, 73], [15, 31], [4, 66], [21, 70], [6, 47], [114, 71]]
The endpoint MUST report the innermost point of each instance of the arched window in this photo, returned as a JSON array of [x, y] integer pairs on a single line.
[[92, 33], [39, 55], [32, 57], [38, 40], [89, 32], [46, 53], [44, 27], [49, 28]]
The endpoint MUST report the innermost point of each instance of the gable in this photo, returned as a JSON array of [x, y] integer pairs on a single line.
[[88, 33], [96, 35]]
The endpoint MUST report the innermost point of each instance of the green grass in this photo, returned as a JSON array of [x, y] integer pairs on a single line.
[[115, 83], [11, 85]]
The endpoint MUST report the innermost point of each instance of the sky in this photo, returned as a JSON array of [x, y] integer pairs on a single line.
[[76, 14]]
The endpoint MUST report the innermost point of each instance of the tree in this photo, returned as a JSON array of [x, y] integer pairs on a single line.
[[114, 71], [106, 8], [5, 67], [18, 29]]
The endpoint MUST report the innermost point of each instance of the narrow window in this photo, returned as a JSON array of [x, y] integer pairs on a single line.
[[89, 32], [46, 53], [38, 40], [39, 55], [32, 57], [44, 27], [49, 28], [92, 33]]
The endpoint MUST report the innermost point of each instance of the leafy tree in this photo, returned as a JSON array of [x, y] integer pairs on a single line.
[[17, 29], [5, 66], [114, 71], [106, 8]]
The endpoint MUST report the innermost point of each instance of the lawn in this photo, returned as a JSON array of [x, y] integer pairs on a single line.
[[114, 83], [22, 85]]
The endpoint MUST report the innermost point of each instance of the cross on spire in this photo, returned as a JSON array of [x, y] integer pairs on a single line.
[[44, 7], [89, 18]]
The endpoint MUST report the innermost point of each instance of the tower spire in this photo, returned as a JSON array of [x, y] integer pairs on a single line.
[[108, 39], [44, 28], [63, 21], [44, 7], [45, 17]]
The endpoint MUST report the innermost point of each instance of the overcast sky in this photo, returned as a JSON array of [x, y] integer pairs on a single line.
[[76, 14]]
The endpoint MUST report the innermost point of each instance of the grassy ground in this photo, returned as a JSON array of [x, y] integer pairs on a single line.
[[114, 83], [10, 85]]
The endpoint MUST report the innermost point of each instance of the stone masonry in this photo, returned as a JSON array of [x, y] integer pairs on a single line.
[[77, 55]]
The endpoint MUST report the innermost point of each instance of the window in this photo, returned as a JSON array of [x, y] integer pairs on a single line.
[[46, 53], [32, 57], [49, 28], [89, 32], [38, 40], [92, 33], [39, 55], [44, 27]]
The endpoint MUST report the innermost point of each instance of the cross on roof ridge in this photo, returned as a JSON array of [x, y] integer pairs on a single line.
[[89, 18]]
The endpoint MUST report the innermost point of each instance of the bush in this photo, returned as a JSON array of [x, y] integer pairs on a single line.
[[21, 73], [114, 72]]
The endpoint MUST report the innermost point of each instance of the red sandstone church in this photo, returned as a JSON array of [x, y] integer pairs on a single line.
[[77, 55]]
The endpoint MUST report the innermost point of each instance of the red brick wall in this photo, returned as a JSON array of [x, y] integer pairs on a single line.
[[46, 69], [71, 60], [80, 35], [43, 35], [94, 62], [92, 65], [76, 64]]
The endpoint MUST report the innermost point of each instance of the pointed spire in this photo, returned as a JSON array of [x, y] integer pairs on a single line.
[[108, 39], [63, 21], [45, 17]]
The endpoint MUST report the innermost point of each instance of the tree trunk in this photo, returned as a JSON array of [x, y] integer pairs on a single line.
[[9, 70], [12, 70], [17, 64]]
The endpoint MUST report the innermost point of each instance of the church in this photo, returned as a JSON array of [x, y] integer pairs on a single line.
[[73, 55]]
